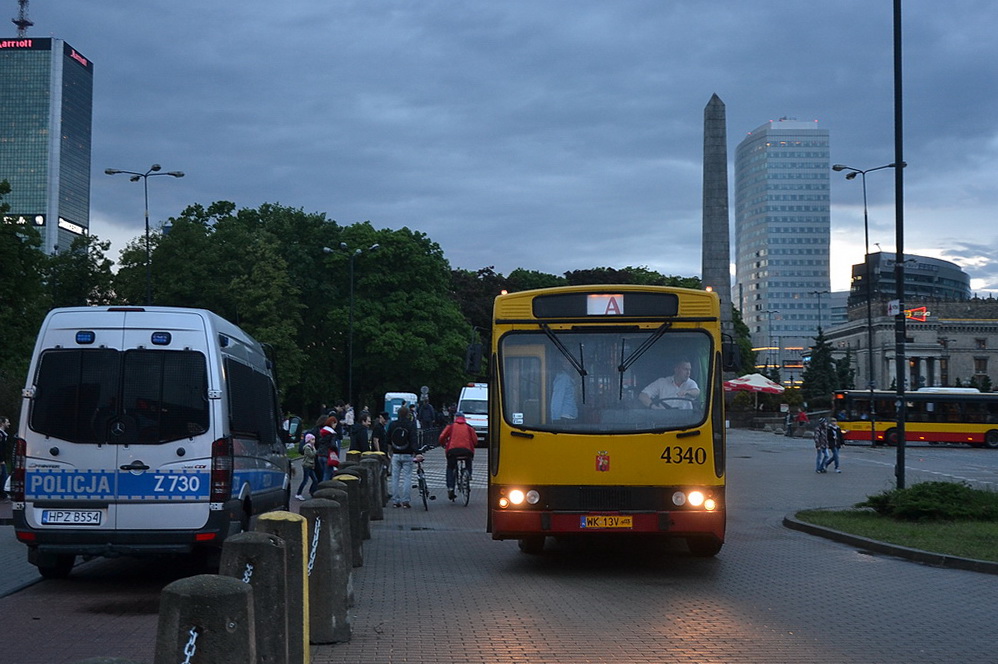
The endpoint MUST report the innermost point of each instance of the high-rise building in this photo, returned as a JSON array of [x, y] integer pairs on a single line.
[[46, 108], [782, 237]]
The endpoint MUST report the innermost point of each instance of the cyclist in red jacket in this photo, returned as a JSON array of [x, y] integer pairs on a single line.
[[459, 439]]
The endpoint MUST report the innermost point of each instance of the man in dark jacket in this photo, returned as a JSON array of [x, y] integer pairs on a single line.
[[402, 438], [360, 434]]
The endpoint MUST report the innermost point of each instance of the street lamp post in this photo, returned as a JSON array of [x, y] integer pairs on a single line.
[[871, 384], [153, 170], [819, 293], [352, 258]]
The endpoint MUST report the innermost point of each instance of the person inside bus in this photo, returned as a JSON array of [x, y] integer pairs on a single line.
[[675, 391], [563, 403]]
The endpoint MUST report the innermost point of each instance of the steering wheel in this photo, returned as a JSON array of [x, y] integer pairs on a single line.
[[660, 402]]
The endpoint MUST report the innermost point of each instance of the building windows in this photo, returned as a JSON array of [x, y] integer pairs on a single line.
[[980, 365]]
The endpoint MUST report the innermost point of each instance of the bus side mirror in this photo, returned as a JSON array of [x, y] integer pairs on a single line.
[[731, 356]]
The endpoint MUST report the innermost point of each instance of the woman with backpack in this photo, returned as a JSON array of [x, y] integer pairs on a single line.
[[402, 436]]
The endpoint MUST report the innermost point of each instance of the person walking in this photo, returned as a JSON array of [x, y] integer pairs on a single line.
[[402, 437], [821, 445], [326, 443], [834, 438], [459, 439], [307, 467], [4, 454]]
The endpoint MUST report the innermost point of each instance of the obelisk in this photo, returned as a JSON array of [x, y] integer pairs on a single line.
[[716, 260]]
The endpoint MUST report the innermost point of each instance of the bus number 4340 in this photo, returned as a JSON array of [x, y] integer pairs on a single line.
[[697, 455]]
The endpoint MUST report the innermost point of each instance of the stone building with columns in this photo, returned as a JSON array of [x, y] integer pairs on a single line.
[[957, 341]]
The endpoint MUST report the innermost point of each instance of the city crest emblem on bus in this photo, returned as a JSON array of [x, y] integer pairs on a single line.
[[602, 462]]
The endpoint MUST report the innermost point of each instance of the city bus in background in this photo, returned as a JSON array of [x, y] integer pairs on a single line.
[[575, 448], [933, 415]]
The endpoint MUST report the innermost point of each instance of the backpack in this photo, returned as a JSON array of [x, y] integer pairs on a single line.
[[399, 438]]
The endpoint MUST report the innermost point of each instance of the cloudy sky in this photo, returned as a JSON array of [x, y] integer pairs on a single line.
[[549, 135]]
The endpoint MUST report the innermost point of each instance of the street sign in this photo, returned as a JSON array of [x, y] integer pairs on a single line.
[[893, 307]]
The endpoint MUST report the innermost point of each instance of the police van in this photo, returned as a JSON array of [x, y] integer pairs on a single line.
[[145, 430], [474, 403]]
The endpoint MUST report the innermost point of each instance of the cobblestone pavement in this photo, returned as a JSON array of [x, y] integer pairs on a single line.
[[435, 588]]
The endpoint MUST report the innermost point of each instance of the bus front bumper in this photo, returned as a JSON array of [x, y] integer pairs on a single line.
[[517, 524]]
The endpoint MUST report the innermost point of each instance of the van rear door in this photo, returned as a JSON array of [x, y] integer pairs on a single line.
[[164, 455]]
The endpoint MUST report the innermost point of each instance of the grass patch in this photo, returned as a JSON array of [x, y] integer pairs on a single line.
[[941, 517]]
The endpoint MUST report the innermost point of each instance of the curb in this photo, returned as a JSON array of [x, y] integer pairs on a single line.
[[914, 555]]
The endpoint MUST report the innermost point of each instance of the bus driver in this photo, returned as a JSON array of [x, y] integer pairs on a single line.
[[676, 391]]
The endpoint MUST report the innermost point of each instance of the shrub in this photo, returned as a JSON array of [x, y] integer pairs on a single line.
[[935, 501]]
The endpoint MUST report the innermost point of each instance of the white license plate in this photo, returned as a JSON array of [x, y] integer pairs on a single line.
[[72, 517]]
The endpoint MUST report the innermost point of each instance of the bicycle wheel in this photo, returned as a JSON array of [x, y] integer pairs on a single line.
[[424, 492], [466, 485]]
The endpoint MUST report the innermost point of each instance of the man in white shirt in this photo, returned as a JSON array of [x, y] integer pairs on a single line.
[[676, 391]]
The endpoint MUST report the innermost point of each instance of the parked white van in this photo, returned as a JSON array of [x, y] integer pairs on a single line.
[[145, 430], [474, 403]]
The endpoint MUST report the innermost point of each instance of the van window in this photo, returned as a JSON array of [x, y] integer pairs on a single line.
[[137, 396], [474, 407], [252, 409]]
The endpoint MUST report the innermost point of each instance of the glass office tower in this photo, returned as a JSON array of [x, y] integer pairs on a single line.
[[782, 238], [46, 104]]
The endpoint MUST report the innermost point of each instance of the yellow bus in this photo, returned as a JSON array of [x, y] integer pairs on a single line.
[[932, 415], [609, 415]]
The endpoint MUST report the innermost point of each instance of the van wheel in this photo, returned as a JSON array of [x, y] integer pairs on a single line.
[[56, 566], [532, 545], [991, 440]]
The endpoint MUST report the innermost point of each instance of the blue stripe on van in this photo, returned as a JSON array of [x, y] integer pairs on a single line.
[[55, 484]]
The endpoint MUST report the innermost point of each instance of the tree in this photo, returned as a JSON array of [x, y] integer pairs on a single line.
[[23, 301], [81, 276], [821, 377], [846, 372], [743, 339]]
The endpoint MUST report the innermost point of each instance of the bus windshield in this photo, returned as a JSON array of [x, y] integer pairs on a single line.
[[605, 381]]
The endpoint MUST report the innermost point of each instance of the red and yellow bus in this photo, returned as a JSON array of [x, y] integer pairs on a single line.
[[932, 415], [588, 437]]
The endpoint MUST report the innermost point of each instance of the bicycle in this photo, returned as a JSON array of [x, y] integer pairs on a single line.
[[424, 489], [463, 479]]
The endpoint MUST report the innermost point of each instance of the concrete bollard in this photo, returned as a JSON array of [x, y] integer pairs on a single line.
[[361, 473], [383, 475], [260, 560], [377, 505], [356, 536], [291, 528], [354, 456], [206, 618], [343, 532], [329, 573]]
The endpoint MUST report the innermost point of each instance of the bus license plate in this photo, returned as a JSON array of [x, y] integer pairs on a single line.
[[71, 517], [607, 521]]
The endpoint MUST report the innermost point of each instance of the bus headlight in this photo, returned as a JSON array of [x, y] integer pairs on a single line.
[[709, 505], [516, 497], [533, 497], [696, 498], [679, 499]]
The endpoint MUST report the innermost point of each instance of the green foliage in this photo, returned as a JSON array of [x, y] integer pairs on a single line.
[[845, 371], [821, 376], [23, 302], [743, 339], [81, 276], [935, 501]]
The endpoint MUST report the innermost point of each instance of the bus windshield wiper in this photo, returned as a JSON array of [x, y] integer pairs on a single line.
[[625, 364], [577, 364]]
